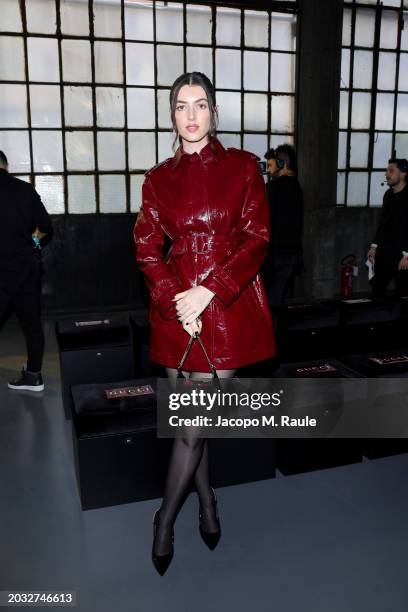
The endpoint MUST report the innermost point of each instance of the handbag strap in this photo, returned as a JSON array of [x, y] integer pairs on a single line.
[[195, 336]]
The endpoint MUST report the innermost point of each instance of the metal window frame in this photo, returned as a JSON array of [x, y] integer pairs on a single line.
[[379, 8], [267, 6]]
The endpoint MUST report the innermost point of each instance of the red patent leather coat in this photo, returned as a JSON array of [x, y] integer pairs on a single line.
[[213, 207]]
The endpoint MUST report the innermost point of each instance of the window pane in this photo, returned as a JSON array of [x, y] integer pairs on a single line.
[[282, 72], [357, 189], [163, 104], [136, 182], [342, 152], [277, 139], [112, 193], [255, 70], [10, 17], [12, 58], [41, 16], [255, 143], [228, 27], [108, 62], [165, 144], [401, 145], [346, 28], [80, 150], [230, 110], [199, 24], [78, 106], [140, 108], [363, 69], [256, 29], [382, 149], [384, 111], [169, 22], [404, 32], [13, 106], [51, 190], [169, 63], [364, 31], [47, 151], [344, 104], [110, 107], [360, 115], [74, 17], [43, 59], [17, 148], [386, 70], [139, 64], [76, 61], [200, 59], [81, 194], [230, 140], [282, 113], [111, 151], [376, 189], [345, 68], [45, 103], [402, 113], [283, 32], [403, 72], [255, 112], [107, 19], [359, 150], [139, 22], [225, 77], [142, 150], [341, 187], [389, 30]]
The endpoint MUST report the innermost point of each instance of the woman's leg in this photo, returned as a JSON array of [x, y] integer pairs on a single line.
[[186, 456], [202, 473]]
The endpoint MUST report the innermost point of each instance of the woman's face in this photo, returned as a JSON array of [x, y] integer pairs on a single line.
[[192, 114]]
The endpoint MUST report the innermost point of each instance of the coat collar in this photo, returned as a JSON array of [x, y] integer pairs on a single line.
[[213, 150]]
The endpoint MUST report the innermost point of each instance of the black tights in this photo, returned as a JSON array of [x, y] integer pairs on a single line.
[[189, 459]]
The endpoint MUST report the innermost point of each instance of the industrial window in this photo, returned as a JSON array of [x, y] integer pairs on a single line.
[[373, 123], [84, 88]]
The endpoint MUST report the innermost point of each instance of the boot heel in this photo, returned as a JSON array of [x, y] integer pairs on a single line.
[[211, 539], [161, 562]]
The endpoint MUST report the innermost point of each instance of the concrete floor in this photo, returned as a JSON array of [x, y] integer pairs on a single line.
[[333, 540]]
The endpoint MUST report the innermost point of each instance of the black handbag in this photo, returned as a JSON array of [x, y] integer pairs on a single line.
[[195, 336]]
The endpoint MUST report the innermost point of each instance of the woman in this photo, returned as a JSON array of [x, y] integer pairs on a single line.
[[211, 203]]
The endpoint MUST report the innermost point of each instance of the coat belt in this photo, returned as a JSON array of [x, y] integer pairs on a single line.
[[202, 243]]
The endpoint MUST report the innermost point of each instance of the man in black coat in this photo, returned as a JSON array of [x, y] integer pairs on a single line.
[[389, 249], [22, 216], [286, 220]]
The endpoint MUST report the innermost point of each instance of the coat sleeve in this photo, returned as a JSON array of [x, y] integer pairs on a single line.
[[378, 238], [148, 236], [41, 216], [229, 278]]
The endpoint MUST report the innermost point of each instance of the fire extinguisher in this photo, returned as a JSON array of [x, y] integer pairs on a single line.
[[348, 264]]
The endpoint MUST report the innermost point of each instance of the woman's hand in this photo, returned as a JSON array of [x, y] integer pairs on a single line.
[[191, 303], [403, 263], [195, 326]]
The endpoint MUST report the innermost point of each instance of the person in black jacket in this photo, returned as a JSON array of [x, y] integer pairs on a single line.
[[286, 222], [22, 216], [389, 249]]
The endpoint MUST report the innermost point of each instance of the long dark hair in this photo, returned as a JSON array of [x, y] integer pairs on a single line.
[[193, 78]]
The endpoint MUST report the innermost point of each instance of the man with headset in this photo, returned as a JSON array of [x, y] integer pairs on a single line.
[[23, 221], [389, 249], [286, 219]]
